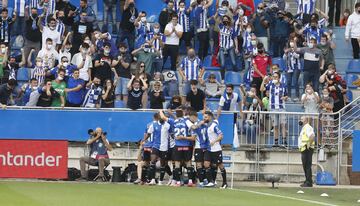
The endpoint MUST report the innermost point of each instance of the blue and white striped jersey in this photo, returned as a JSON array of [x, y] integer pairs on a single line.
[[306, 6], [201, 141], [227, 35], [184, 20], [191, 67], [292, 60], [161, 134], [181, 128], [201, 22], [276, 92]]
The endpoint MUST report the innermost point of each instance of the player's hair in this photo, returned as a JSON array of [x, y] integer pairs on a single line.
[[61, 70], [210, 114], [193, 82], [33, 79], [193, 113], [230, 86], [179, 113], [63, 57], [49, 40], [156, 116]]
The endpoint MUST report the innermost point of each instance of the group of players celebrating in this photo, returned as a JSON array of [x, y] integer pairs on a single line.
[[172, 139]]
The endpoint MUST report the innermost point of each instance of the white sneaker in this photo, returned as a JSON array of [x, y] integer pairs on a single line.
[[160, 183], [210, 184], [215, 183], [137, 181], [152, 182], [173, 183], [190, 183], [201, 184], [170, 181]]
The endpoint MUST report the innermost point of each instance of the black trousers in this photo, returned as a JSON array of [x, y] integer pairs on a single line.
[[203, 38], [257, 81], [331, 11], [171, 51], [355, 46], [306, 158]]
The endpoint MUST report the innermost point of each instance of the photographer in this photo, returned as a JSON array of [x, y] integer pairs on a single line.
[[99, 146]]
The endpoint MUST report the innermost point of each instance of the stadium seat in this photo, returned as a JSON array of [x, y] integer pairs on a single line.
[[349, 95], [23, 74], [212, 68], [119, 104], [217, 74], [280, 61], [212, 105], [233, 78], [207, 61], [353, 66], [350, 78]]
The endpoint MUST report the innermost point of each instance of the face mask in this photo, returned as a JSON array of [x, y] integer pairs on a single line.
[[35, 88], [131, 5], [146, 50], [182, 9], [255, 101], [60, 78], [325, 95], [85, 51], [52, 28], [292, 44], [87, 41], [226, 23], [229, 93], [275, 81], [330, 72], [156, 30], [34, 16], [106, 51], [260, 51], [65, 64], [143, 19], [311, 45], [38, 64], [97, 36], [251, 93], [301, 123], [13, 64], [191, 55], [241, 12], [136, 89], [67, 49], [97, 85], [3, 50], [308, 91], [248, 30], [61, 18], [313, 27], [259, 11], [49, 46], [323, 43], [253, 42]]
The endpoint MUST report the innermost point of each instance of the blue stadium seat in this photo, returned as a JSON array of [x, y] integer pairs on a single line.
[[350, 78], [209, 68], [353, 66], [119, 104], [217, 74], [349, 95], [280, 61], [233, 78], [23, 74], [207, 61], [212, 105]]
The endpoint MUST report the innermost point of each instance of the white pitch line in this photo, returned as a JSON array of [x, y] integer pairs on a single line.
[[285, 197]]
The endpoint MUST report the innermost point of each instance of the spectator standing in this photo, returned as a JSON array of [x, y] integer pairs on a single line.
[[280, 34], [127, 27], [261, 62], [93, 94], [202, 28], [331, 12], [47, 95], [196, 97], [6, 91], [313, 63], [157, 96], [3, 61], [344, 18], [173, 32], [108, 93], [157, 39], [49, 32], [122, 66], [184, 21], [136, 92], [166, 15], [39, 72], [212, 87], [90, 14], [310, 99], [313, 31], [27, 89], [80, 29], [147, 54], [327, 47], [48, 54], [143, 28], [6, 23], [174, 103], [75, 90], [353, 30], [103, 64], [229, 100], [261, 20], [293, 70], [59, 86], [78, 60], [32, 35]]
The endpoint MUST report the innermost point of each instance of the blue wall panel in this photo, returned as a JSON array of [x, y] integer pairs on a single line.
[[356, 152], [73, 125]]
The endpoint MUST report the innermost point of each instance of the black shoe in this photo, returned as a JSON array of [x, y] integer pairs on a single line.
[[224, 186], [306, 185], [276, 145]]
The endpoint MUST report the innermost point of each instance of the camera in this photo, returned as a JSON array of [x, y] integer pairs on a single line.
[[90, 131]]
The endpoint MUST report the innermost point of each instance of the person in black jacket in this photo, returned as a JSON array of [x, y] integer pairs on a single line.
[[157, 97], [165, 15], [47, 95]]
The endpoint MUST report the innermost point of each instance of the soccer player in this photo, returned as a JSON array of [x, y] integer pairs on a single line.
[[183, 148], [201, 145], [160, 130], [213, 156]]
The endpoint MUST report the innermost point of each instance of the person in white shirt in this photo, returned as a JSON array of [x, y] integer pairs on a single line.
[[173, 32], [48, 54], [85, 71], [49, 31], [352, 30], [310, 100]]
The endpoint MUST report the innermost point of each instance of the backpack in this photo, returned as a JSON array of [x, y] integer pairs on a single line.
[[129, 174]]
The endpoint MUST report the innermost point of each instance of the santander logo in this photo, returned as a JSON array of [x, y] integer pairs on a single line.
[[40, 160]]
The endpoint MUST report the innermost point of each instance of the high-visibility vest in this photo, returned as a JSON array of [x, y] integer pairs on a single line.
[[304, 139]]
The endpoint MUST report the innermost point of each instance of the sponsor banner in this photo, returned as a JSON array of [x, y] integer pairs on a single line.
[[33, 159]]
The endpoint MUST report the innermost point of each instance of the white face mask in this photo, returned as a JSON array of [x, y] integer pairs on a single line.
[[181, 9], [84, 51], [49, 46], [253, 42], [3, 50], [35, 88], [259, 10], [241, 12], [255, 101], [38, 64], [97, 36], [65, 64], [292, 44], [60, 78], [251, 93], [308, 91], [52, 28], [67, 49], [106, 51], [275, 81], [143, 19], [87, 41], [156, 30], [326, 95], [248, 30], [311, 45], [136, 89]]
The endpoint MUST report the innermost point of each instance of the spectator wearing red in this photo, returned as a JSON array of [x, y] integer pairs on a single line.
[[248, 3], [260, 64]]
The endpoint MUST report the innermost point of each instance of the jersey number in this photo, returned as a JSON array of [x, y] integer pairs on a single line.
[[180, 132]]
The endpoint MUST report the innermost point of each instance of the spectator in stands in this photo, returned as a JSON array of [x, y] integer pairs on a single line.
[[47, 95], [306, 143], [147, 54], [191, 68], [280, 33], [6, 91], [69, 12], [12, 66], [327, 102], [122, 66], [250, 124], [228, 44], [353, 30], [196, 97], [49, 32], [312, 32], [174, 103], [201, 26], [156, 96], [80, 29], [143, 28], [157, 39], [313, 63], [166, 15], [93, 93], [38, 72], [293, 70], [344, 18], [260, 64], [240, 25], [74, 90], [136, 91], [127, 27], [331, 12], [229, 100], [261, 20], [6, 23], [48, 54], [108, 93], [69, 68], [32, 35], [310, 99], [66, 47], [184, 21], [173, 32], [277, 96], [78, 60], [212, 87], [99, 147], [59, 85], [327, 46], [90, 14], [100, 39], [27, 89], [156, 78], [21, 10], [103, 64], [250, 51], [327, 120], [3, 61], [250, 97]]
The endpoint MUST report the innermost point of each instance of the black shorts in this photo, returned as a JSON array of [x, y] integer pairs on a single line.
[[199, 155], [186, 37], [182, 153], [170, 154], [213, 157], [163, 155], [146, 154]]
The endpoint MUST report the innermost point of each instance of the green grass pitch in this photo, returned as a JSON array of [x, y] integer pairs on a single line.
[[15, 193]]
